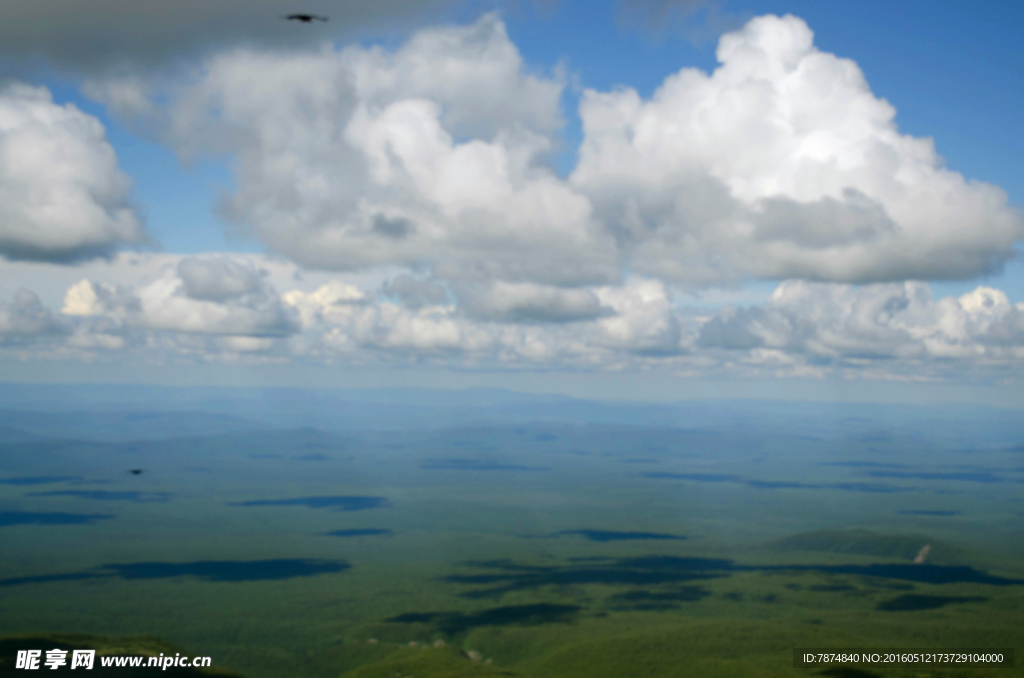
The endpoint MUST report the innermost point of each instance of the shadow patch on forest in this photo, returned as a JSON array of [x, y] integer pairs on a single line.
[[502, 576], [362, 532], [920, 573], [454, 623], [863, 542], [646, 571], [912, 601], [831, 588], [644, 600]]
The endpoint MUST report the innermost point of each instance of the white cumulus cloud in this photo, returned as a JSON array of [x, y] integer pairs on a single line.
[[782, 164], [62, 194]]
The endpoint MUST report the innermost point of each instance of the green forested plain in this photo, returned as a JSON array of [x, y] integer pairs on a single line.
[[534, 550]]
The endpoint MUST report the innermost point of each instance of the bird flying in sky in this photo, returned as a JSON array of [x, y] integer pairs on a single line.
[[305, 18]]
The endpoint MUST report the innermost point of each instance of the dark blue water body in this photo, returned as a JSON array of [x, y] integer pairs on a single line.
[[961, 477], [31, 518], [230, 570], [204, 570], [38, 480], [776, 484], [930, 513], [783, 485], [863, 464], [339, 503], [696, 477], [475, 465], [878, 488], [102, 495], [316, 456], [870, 487]]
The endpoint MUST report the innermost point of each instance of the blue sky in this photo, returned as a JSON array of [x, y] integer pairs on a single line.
[[677, 296]]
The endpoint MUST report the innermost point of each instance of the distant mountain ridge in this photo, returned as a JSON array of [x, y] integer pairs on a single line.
[[145, 411], [20, 426]]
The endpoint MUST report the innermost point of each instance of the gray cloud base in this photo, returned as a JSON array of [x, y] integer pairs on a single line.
[[102, 35]]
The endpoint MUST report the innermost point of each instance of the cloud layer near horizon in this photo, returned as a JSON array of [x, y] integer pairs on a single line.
[[253, 309]]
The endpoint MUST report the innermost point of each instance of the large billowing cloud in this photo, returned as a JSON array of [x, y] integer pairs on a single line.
[[360, 157], [782, 164], [779, 164], [62, 195]]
